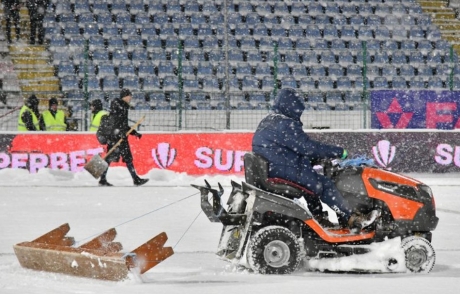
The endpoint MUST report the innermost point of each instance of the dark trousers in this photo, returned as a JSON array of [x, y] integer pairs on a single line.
[[333, 198], [36, 25], [124, 151], [13, 19]]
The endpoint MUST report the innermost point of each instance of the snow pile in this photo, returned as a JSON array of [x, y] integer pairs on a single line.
[[387, 256]]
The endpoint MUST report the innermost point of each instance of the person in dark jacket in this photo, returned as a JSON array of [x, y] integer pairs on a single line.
[[290, 152], [12, 8], [118, 117], [29, 116], [37, 11]]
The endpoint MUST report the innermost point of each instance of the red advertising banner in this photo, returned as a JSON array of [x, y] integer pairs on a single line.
[[192, 153], [222, 153]]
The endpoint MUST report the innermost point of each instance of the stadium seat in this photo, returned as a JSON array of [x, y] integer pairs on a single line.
[[99, 55], [204, 69], [254, 57], [435, 83], [57, 43], [188, 70], [209, 8], [249, 84], [310, 58], [345, 58], [65, 68], [298, 9], [262, 69], [334, 99], [353, 98], [380, 83], [282, 70], [105, 69], [327, 57], [306, 84], [119, 55], [312, 32], [118, 7], [347, 33], [211, 84], [69, 83], [406, 70], [267, 84], [110, 83], [145, 69], [339, 19], [136, 7], [126, 69], [357, 20], [334, 71], [151, 83], [86, 68], [338, 44], [416, 57], [91, 83], [381, 57], [96, 42], [170, 83], [190, 85], [416, 82], [99, 7], [288, 82], [315, 8], [389, 70], [408, 45], [330, 32], [398, 58], [325, 84], [398, 82], [299, 70]]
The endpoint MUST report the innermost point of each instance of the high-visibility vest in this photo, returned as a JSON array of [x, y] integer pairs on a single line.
[[22, 125], [96, 120], [54, 123]]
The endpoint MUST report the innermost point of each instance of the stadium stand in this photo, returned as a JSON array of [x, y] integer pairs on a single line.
[[322, 50]]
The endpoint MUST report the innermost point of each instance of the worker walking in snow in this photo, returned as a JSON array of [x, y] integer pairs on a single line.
[[117, 124]]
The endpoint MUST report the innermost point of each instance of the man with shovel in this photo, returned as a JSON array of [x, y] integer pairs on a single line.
[[117, 121]]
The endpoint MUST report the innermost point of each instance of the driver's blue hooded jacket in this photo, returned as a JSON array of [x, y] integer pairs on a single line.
[[281, 140]]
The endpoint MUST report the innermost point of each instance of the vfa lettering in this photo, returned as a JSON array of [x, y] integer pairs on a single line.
[[447, 154], [222, 160], [422, 109]]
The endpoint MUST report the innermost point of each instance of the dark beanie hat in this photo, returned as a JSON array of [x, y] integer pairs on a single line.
[[53, 101], [97, 104], [125, 92], [32, 101]]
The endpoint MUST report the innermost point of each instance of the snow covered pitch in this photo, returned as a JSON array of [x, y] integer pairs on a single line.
[[33, 204]]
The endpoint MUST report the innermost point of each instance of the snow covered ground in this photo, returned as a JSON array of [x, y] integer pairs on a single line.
[[31, 205]]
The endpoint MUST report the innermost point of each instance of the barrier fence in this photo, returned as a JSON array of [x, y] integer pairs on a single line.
[[222, 153], [231, 88]]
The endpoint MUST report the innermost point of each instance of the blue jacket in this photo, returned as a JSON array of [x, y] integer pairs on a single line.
[[281, 140]]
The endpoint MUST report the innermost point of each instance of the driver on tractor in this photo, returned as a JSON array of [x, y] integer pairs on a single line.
[[290, 152]]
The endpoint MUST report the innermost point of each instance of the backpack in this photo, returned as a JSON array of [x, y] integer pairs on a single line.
[[104, 131]]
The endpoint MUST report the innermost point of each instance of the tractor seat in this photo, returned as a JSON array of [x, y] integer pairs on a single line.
[[256, 174]]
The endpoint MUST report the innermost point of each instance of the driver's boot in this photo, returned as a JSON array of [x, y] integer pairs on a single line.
[[323, 220], [358, 221]]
